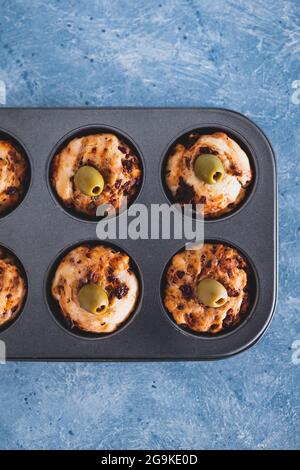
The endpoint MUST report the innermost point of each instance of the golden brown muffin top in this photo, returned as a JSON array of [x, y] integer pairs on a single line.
[[99, 265], [113, 158], [213, 261], [12, 288], [13, 169], [187, 188]]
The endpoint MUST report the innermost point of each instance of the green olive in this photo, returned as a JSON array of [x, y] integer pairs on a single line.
[[209, 168], [93, 298], [211, 293], [89, 181]]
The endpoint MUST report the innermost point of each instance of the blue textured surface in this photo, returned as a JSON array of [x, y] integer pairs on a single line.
[[233, 54]]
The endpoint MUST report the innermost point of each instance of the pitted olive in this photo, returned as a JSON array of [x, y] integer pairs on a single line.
[[209, 168], [93, 298], [89, 181], [211, 293]]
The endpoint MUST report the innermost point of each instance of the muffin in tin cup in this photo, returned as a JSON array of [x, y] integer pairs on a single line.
[[95, 167], [13, 288], [94, 289], [15, 173], [211, 169], [209, 291]]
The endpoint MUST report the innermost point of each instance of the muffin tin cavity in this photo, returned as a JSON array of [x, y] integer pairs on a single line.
[[127, 151], [43, 230], [188, 139], [251, 289], [19, 189], [17, 286], [54, 306]]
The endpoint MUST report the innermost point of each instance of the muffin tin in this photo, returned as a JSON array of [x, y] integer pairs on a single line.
[[39, 230]]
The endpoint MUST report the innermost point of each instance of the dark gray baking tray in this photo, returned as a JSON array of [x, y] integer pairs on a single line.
[[38, 230]]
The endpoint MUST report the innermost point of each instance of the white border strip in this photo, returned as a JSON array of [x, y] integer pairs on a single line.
[[2, 353], [2, 92]]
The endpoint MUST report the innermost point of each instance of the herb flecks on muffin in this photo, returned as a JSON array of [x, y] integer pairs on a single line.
[[96, 288], [211, 169], [96, 170], [13, 176], [12, 287], [207, 289]]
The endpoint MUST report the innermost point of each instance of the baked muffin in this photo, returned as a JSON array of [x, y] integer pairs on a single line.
[[207, 289], [209, 169], [13, 287], [95, 170], [13, 169], [96, 288]]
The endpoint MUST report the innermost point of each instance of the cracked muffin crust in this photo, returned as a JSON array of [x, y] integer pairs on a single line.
[[13, 169], [100, 265], [112, 157], [186, 188], [12, 288], [212, 261]]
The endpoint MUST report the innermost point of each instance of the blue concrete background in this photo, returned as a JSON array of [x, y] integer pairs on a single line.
[[233, 54]]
